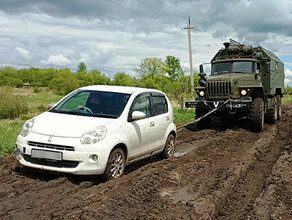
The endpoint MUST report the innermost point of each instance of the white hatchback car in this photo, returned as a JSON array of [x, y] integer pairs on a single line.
[[98, 130]]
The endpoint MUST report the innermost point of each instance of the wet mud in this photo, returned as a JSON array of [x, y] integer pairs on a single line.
[[226, 172]]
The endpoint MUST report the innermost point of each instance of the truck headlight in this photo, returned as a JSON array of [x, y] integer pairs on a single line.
[[243, 92], [26, 128], [202, 93], [93, 136]]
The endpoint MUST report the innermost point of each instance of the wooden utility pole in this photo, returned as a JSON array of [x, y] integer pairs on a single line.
[[189, 28]]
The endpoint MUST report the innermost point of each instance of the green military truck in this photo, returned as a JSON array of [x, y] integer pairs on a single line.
[[245, 82]]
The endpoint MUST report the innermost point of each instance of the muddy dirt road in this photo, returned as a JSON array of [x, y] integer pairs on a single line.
[[226, 172]]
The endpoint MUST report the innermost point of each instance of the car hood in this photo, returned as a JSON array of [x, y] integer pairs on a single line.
[[64, 125]]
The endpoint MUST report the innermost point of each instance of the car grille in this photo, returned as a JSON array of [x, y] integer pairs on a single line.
[[51, 163], [51, 146], [218, 88]]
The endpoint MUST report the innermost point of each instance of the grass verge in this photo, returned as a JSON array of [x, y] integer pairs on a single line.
[[181, 116]]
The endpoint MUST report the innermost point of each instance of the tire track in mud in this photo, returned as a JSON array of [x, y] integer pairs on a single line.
[[219, 174]]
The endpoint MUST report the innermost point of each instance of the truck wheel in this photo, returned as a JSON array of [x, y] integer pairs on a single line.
[[115, 165], [272, 113], [205, 122], [168, 150], [257, 115], [279, 106]]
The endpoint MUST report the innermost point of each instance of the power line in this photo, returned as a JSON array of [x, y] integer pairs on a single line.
[[156, 9], [185, 15], [134, 11], [173, 17], [165, 14]]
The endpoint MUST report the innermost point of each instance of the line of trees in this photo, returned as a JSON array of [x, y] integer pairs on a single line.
[[166, 75]]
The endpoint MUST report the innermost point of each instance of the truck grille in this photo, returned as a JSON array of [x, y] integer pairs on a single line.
[[218, 88], [51, 146]]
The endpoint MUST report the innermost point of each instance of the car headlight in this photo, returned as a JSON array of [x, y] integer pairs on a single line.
[[94, 136], [243, 92], [26, 128]]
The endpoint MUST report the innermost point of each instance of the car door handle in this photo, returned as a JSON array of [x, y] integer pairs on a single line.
[[152, 123], [167, 118]]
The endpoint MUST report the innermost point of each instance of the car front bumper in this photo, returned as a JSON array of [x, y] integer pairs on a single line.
[[52, 156]]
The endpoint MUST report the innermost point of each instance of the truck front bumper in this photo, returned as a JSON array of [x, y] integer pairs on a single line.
[[200, 102]]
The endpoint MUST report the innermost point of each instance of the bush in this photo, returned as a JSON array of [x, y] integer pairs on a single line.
[[65, 82], [36, 90], [11, 106], [288, 90]]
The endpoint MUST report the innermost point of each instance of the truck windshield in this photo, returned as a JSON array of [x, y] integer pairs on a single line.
[[233, 67]]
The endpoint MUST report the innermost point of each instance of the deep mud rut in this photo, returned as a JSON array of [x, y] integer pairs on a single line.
[[226, 172]]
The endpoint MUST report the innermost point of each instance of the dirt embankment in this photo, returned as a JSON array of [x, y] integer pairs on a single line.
[[222, 173]]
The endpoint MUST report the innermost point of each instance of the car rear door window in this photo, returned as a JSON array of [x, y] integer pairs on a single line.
[[159, 105]]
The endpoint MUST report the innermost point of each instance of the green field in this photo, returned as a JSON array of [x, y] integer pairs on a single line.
[[38, 102], [9, 129]]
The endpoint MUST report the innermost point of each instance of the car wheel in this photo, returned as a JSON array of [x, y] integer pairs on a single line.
[[115, 165], [168, 150]]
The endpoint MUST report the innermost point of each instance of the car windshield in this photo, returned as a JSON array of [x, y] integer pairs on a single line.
[[93, 103], [233, 67]]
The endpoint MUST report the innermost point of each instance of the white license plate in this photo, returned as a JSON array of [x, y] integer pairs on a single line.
[[43, 154]]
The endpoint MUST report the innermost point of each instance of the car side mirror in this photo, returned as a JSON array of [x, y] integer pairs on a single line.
[[51, 105], [137, 115]]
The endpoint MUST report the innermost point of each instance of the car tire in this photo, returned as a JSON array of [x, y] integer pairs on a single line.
[[169, 147], [257, 115], [115, 165]]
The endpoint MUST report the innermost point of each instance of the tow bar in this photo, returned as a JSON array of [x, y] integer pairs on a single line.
[[207, 114]]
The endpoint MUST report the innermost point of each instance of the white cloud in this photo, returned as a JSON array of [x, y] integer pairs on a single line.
[[288, 72], [287, 82], [22, 53], [114, 39], [57, 60]]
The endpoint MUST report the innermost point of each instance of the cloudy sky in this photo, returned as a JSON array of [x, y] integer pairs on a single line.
[[116, 35]]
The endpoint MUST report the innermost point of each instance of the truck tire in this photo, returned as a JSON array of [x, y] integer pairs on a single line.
[[272, 113], [279, 106], [205, 122], [257, 115]]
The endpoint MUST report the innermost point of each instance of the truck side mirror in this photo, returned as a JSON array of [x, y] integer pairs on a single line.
[[257, 73], [201, 68], [202, 80], [268, 67]]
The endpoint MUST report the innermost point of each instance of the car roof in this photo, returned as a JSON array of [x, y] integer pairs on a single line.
[[118, 89]]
